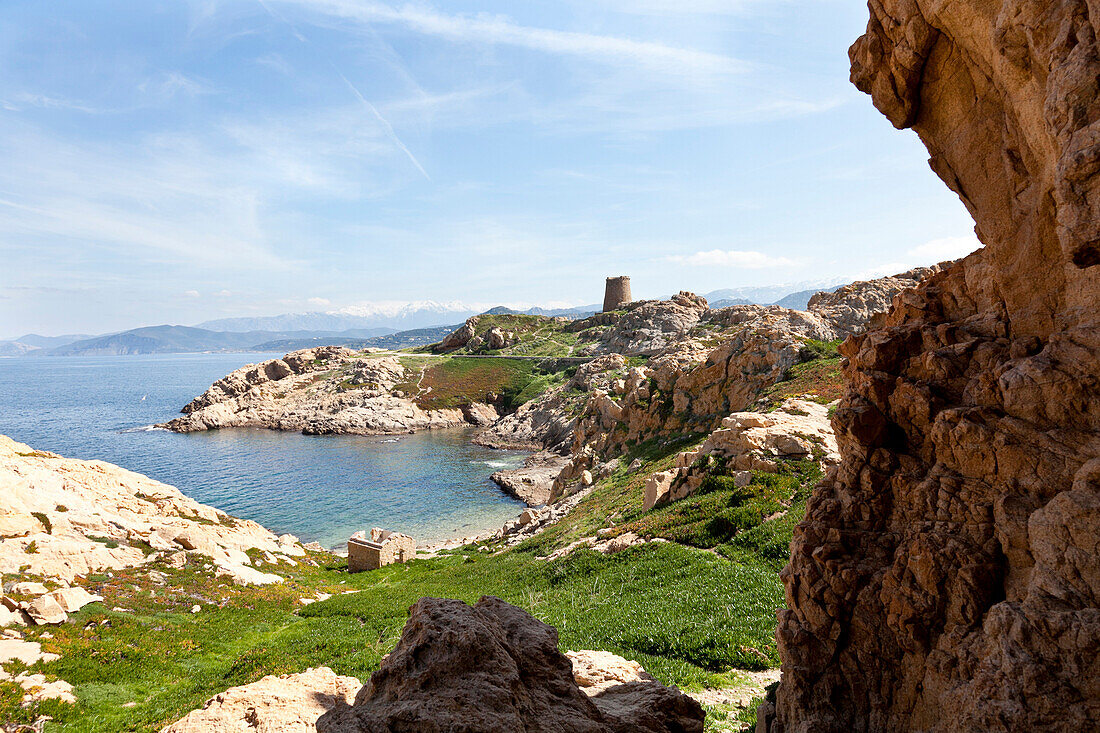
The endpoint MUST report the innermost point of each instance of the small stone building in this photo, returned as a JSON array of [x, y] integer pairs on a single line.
[[383, 548]]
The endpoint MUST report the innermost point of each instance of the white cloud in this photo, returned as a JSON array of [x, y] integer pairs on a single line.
[[946, 248], [319, 302], [223, 294], [747, 259], [501, 30], [931, 252], [191, 293]]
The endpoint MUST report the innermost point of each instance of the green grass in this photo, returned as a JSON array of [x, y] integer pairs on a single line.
[[819, 375], [691, 616], [456, 382], [535, 336]]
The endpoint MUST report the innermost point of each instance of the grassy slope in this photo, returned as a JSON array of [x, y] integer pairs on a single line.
[[537, 336], [819, 376], [452, 382], [690, 616]]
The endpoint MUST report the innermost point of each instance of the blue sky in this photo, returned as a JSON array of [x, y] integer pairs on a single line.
[[171, 162]]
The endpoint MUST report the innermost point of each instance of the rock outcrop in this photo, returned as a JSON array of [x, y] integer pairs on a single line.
[[646, 327], [946, 578], [328, 390], [492, 667], [289, 703], [746, 442], [850, 308], [692, 387], [533, 482]]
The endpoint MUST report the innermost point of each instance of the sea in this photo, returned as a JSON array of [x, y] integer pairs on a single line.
[[431, 485]]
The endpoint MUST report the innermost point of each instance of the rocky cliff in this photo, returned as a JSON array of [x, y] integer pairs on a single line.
[[945, 578]]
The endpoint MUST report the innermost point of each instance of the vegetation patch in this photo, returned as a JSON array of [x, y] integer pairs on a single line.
[[457, 382], [45, 520], [817, 376], [692, 612]]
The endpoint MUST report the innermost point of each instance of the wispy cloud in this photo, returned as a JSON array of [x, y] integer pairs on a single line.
[[931, 252], [945, 248], [501, 30], [747, 259], [386, 126]]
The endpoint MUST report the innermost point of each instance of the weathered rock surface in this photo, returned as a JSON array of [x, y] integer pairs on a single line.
[[533, 482], [328, 390], [746, 442], [289, 703], [849, 309], [492, 667], [87, 516], [692, 387], [646, 328], [946, 578]]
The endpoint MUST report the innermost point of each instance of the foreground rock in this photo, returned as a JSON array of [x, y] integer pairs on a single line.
[[946, 578], [492, 667], [286, 704]]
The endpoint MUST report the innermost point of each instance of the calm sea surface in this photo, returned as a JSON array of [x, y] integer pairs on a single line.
[[432, 485]]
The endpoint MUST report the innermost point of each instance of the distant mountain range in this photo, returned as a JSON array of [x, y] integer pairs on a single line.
[[185, 339], [399, 340], [398, 325]]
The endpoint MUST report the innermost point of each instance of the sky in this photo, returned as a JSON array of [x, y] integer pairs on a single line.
[[173, 162]]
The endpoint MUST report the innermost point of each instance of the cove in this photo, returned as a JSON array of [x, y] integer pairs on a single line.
[[432, 485]]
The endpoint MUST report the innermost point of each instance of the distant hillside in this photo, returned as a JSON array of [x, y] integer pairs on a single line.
[[771, 294], [800, 300], [727, 302], [16, 348], [186, 339], [51, 342], [399, 340], [393, 318]]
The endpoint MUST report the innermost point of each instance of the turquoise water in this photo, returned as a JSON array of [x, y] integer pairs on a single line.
[[432, 485]]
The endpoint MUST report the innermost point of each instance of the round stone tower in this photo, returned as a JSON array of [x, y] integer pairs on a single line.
[[616, 293]]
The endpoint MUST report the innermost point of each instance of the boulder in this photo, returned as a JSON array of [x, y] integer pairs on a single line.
[[45, 610], [492, 667], [495, 338], [480, 414], [289, 703], [534, 482], [460, 336], [30, 589], [658, 487], [73, 599]]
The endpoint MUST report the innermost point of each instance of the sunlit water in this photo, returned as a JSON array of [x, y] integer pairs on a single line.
[[433, 485]]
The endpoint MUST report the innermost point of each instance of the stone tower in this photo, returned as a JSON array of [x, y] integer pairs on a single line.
[[616, 293]]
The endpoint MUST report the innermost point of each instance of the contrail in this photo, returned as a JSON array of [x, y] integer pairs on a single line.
[[374, 110], [388, 127], [278, 16]]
